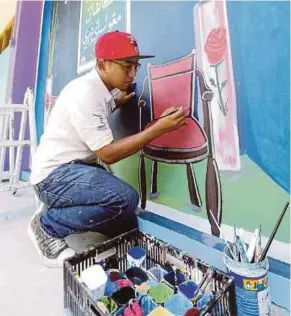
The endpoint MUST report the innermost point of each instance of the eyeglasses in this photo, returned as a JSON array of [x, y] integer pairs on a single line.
[[128, 66]]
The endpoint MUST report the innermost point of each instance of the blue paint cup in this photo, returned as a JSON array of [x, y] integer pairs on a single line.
[[174, 279], [136, 257], [251, 285], [188, 288], [147, 304], [205, 299], [157, 272], [178, 304], [110, 288]]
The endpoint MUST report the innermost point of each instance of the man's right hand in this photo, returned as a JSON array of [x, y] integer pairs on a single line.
[[129, 145], [170, 122]]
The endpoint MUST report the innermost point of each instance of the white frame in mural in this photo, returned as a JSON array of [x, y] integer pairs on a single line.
[[89, 65], [214, 58]]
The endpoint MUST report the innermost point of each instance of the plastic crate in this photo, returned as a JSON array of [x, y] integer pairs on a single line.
[[77, 300]]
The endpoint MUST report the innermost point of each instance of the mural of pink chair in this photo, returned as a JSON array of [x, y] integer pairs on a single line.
[[172, 84]]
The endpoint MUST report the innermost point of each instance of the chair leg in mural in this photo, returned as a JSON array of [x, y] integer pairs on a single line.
[[192, 185], [213, 195], [142, 182], [154, 181]]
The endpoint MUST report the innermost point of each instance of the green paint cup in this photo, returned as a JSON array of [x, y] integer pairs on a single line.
[[109, 303], [160, 293]]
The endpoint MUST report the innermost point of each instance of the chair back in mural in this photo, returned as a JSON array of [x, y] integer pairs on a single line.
[[171, 84]]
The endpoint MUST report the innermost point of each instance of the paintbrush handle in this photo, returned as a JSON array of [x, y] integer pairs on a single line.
[[156, 119], [216, 298], [266, 249], [221, 234]]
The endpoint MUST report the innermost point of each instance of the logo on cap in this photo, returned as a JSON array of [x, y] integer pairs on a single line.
[[133, 43]]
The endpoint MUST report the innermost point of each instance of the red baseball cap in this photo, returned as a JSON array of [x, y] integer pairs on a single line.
[[117, 45]]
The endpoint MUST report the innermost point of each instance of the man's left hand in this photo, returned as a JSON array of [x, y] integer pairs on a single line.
[[123, 98]]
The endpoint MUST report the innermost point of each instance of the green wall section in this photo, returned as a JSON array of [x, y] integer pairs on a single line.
[[250, 197]]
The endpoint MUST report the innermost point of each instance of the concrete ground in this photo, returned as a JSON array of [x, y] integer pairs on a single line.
[[27, 287]]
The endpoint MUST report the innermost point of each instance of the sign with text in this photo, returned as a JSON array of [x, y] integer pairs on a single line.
[[97, 18]]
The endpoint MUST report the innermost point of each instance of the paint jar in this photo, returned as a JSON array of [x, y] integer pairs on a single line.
[[133, 308], [174, 278], [123, 283], [188, 288], [178, 304], [251, 285], [136, 275], [109, 303], [147, 304], [136, 257], [115, 274], [194, 311], [160, 311], [142, 289], [124, 295], [157, 273], [161, 293], [95, 278], [110, 288], [152, 283], [205, 299]]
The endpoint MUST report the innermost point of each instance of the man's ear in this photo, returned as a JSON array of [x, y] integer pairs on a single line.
[[100, 63]]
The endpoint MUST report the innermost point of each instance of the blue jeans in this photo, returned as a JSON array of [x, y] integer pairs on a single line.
[[82, 197]]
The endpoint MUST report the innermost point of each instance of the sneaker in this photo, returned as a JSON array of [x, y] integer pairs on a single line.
[[52, 251]]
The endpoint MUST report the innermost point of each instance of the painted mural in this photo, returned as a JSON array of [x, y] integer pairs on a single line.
[[215, 59], [238, 105], [172, 85]]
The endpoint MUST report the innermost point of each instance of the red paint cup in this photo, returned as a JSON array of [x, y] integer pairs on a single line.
[[194, 311]]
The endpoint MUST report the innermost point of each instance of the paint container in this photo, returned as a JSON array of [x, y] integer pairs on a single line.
[[95, 279], [161, 293], [147, 304], [119, 311], [194, 311], [109, 303], [123, 283], [178, 304], [157, 272], [174, 278], [124, 295], [133, 308], [188, 288], [152, 283], [136, 257], [206, 298], [110, 288], [142, 289], [115, 274], [251, 284], [136, 275], [160, 311]]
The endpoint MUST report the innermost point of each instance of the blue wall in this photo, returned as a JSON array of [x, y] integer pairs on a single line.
[[260, 37], [42, 68], [260, 42]]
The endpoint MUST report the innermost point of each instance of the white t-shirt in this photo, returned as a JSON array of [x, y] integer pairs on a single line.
[[77, 126]]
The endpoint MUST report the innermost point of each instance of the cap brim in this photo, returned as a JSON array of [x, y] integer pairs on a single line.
[[138, 57], [145, 56]]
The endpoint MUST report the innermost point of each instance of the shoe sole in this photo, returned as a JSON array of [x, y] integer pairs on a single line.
[[50, 263]]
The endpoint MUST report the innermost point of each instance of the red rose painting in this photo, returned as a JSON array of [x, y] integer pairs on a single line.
[[215, 45], [215, 48]]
